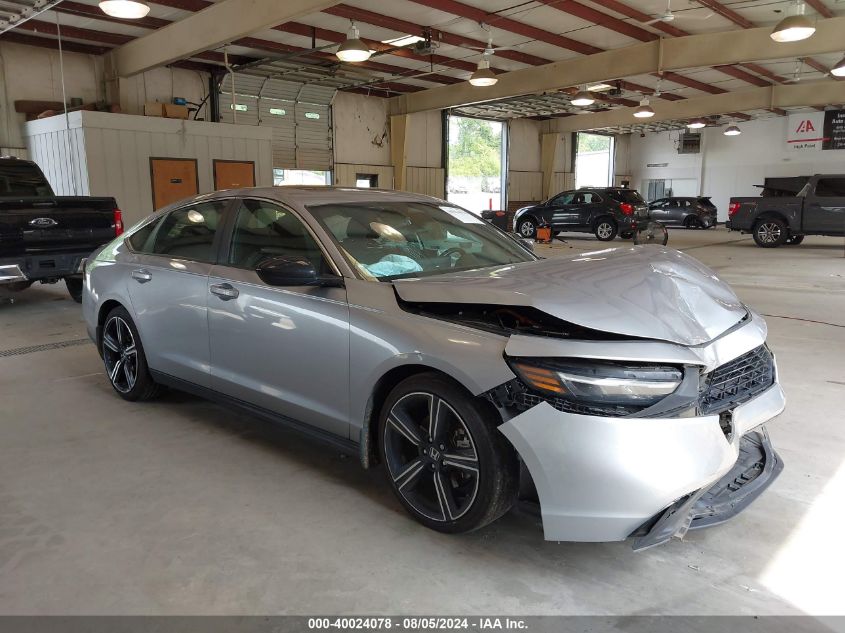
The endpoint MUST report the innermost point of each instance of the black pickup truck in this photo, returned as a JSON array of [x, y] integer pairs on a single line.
[[818, 209], [44, 237]]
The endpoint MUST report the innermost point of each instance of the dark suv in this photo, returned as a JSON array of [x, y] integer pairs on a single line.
[[605, 212], [692, 212]]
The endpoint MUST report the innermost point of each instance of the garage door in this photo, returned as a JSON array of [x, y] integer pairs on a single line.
[[299, 115]]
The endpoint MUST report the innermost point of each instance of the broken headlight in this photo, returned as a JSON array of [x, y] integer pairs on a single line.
[[598, 382]]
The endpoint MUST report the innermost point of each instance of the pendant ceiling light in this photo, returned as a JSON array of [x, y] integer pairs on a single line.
[[644, 111], [483, 76], [839, 69], [126, 9], [795, 26], [582, 98], [732, 130], [696, 124], [353, 49]]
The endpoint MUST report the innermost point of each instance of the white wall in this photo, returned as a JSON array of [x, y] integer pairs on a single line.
[[730, 165], [34, 73], [111, 153], [362, 144]]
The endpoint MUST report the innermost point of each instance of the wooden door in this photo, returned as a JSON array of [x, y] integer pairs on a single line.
[[233, 174], [173, 179]]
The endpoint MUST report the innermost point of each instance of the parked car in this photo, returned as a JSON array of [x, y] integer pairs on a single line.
[[605, 212], [818, 209], [630, 387], [690, 212], [44, 237], [458, 187]]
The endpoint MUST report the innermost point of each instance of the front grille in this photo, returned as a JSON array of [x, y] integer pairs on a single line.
[[737, 381]]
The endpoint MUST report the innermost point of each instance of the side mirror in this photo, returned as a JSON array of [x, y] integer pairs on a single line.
[[288, 270], [529, 244]]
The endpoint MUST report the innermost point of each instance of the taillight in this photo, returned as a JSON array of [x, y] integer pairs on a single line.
[[118, 222], [733, 207], [627, 208]]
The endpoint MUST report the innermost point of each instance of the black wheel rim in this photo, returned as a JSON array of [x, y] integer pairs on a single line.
[[120, 354], [431, 457], [769, 232]]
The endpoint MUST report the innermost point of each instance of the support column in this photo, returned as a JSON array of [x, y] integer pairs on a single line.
[[399, 150], [548, 158]]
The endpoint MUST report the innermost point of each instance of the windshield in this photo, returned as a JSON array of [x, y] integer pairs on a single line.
[[626, 195], [390, 240]]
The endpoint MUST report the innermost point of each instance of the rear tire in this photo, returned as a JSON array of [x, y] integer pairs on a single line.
[[451, 470], [770, 233], [74, 288], [124, 360], [794, 240], [527, 228], [693, 222], [605, 229]]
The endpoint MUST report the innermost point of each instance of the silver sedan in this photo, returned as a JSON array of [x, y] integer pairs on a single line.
[[622, 393]]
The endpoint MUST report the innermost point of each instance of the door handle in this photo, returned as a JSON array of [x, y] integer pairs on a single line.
[[142, 276], [224, 291]]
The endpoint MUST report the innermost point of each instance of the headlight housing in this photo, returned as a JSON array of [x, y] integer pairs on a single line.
[[598, 382]]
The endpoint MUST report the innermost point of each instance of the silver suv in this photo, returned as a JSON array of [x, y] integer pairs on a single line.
[[621, 392]]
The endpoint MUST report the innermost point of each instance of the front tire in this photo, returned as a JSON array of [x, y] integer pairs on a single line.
[[448, 466], [527, 228], [770, 232], [605, 230], [123, 357]]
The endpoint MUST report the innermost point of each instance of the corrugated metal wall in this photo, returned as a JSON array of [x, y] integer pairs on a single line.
[[299, 114]]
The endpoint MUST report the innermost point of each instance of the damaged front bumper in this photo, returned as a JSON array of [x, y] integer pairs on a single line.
[[757, 466], [608, 478]]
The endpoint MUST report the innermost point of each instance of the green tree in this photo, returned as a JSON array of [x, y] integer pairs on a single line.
[[593, 142], [475, 148]]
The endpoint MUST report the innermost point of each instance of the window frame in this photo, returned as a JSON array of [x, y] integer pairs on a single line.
[[159, 218], [231, 224]]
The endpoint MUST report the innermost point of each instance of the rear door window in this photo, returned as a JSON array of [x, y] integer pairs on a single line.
[[831, 188], [189, 232]]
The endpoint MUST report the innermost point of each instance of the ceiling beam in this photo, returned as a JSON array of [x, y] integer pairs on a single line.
[[403, 26], [212, 27], [821, 8], [818, 93], [691, 51]]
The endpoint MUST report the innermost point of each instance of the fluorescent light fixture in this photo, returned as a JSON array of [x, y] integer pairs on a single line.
[[353, 49], [794, 27], [644, 110], [839, 69], [582, 98], [404, 40], [126, 9], [483, 76], [696, 124], [599, 87], [732, 130]]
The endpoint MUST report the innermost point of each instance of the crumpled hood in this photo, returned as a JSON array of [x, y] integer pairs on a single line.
[[641, 291]]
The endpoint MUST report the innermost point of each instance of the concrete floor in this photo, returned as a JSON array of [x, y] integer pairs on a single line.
[[181, 507]]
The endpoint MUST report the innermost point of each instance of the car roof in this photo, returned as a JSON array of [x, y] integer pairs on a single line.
[[303, 195]]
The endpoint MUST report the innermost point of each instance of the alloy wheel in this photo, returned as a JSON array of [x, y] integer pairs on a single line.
[[604, 230], [769, 232], [120, 354], [526, 229], [431, 457]]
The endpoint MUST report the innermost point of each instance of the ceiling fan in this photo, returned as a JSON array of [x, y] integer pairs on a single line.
[[669, 16], [489, 50]]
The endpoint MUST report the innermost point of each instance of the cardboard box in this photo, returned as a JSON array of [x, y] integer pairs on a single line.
[[153, 108], [173, 111]]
